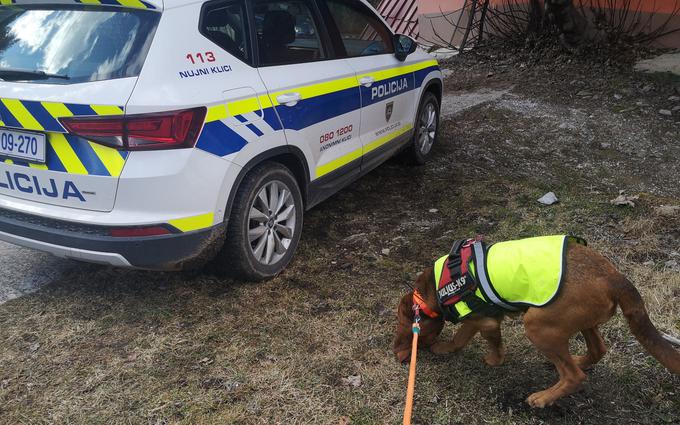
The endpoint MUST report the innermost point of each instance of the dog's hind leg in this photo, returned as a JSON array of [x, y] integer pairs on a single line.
[[596, 349], [554, 344]]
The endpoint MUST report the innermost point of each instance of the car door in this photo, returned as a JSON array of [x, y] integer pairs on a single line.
[[387, 85], [315, 94]]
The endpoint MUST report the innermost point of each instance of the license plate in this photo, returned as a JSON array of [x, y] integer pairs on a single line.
[[22, 145]]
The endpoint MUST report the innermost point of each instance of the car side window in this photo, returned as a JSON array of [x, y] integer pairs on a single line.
[[362, 33], [225, 24], [287, 32]]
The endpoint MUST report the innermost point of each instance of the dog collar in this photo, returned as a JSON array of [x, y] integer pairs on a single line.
[[419, 301]]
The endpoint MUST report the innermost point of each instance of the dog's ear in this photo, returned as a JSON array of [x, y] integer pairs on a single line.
[[403, 335]]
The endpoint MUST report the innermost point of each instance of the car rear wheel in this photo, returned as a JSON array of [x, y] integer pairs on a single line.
[[265, 224], [426, 129]]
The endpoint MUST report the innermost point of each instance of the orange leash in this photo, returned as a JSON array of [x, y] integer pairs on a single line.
[[408, 410]]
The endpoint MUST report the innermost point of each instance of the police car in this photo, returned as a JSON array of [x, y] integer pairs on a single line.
[[158, 134]]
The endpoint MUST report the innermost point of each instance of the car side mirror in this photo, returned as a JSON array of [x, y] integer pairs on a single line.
[[404, 46]]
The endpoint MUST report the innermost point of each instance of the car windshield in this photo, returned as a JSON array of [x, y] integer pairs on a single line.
[[65, 45]]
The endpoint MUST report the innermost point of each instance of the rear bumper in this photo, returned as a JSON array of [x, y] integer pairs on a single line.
[[93, 243]]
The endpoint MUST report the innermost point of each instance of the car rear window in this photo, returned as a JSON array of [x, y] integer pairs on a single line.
[[65, 45]]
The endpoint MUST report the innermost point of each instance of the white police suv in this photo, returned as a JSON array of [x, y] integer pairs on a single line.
[[156, 133]]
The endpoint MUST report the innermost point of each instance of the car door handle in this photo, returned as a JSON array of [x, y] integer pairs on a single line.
[[367, 81], [288, 99]]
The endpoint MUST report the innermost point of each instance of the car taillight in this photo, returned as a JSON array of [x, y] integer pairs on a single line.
[[170, 130]]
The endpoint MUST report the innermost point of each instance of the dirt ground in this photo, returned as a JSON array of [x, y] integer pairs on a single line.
[[108, 346]]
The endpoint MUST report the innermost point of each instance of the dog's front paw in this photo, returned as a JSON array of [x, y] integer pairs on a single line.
[[495, 359], [541, 399], [440, 348]]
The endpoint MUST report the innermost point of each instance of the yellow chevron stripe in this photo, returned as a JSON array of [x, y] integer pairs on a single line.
[[110, 158], [2, 124], [22, 115], [5, 1], [132, 3], [66, 154], [216, 113], [9, 161], [194, 223], [106, 110], [38, 166], [90, 1], [57, 110]]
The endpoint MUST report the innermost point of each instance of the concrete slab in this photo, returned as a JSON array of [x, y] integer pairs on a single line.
[[666, 63], [25, 271]]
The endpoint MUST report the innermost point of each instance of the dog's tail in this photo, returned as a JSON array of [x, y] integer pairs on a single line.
[[633, 308]]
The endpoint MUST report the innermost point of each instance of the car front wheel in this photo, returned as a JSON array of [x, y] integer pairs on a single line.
[[426, 129]]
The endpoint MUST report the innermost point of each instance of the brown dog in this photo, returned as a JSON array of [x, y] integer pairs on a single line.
[[591, 291]]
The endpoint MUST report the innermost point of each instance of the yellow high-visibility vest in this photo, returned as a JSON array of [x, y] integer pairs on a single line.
[[516, 274]]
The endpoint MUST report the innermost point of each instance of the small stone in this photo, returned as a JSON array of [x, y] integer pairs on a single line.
[[605, 145], [624, 200], [668, 210], [386, 251], [665, 112], [352, 381], [489, 75], [549, 199], [671, 264], [648, 263], [583, 93], [618, 97], [674, 99], [676, 108], [434, 210], [647, 88]]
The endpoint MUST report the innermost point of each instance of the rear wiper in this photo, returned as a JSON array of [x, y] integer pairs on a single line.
[[25, 74]]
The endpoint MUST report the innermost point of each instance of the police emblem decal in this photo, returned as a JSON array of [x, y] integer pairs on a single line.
[[388, 111]]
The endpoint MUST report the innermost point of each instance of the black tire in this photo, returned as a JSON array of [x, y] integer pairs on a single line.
[[418, 153], [238, 259]]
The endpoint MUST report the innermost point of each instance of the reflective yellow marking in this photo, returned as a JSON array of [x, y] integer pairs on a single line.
[[9, 161], [216, 113], [320, 89], [402, 70], [5, 1], [356, 154], [110, 158], [107, 110], [22, 115], [132, 3], [66, 154], [90, 1], [2, 124], [244, 106], [388, 138], [337, 163], [194, 223], [38, 166], [57, 110]]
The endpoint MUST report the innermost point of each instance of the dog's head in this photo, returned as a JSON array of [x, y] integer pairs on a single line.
[[429, 328]]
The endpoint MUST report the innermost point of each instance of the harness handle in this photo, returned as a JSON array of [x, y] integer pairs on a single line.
[[408, 410]]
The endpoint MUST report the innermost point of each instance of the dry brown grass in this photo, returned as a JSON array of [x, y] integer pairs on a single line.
[[106, 346]]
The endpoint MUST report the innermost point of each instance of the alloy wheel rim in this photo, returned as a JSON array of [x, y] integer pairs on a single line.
[[427, 130], [271, 223]]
